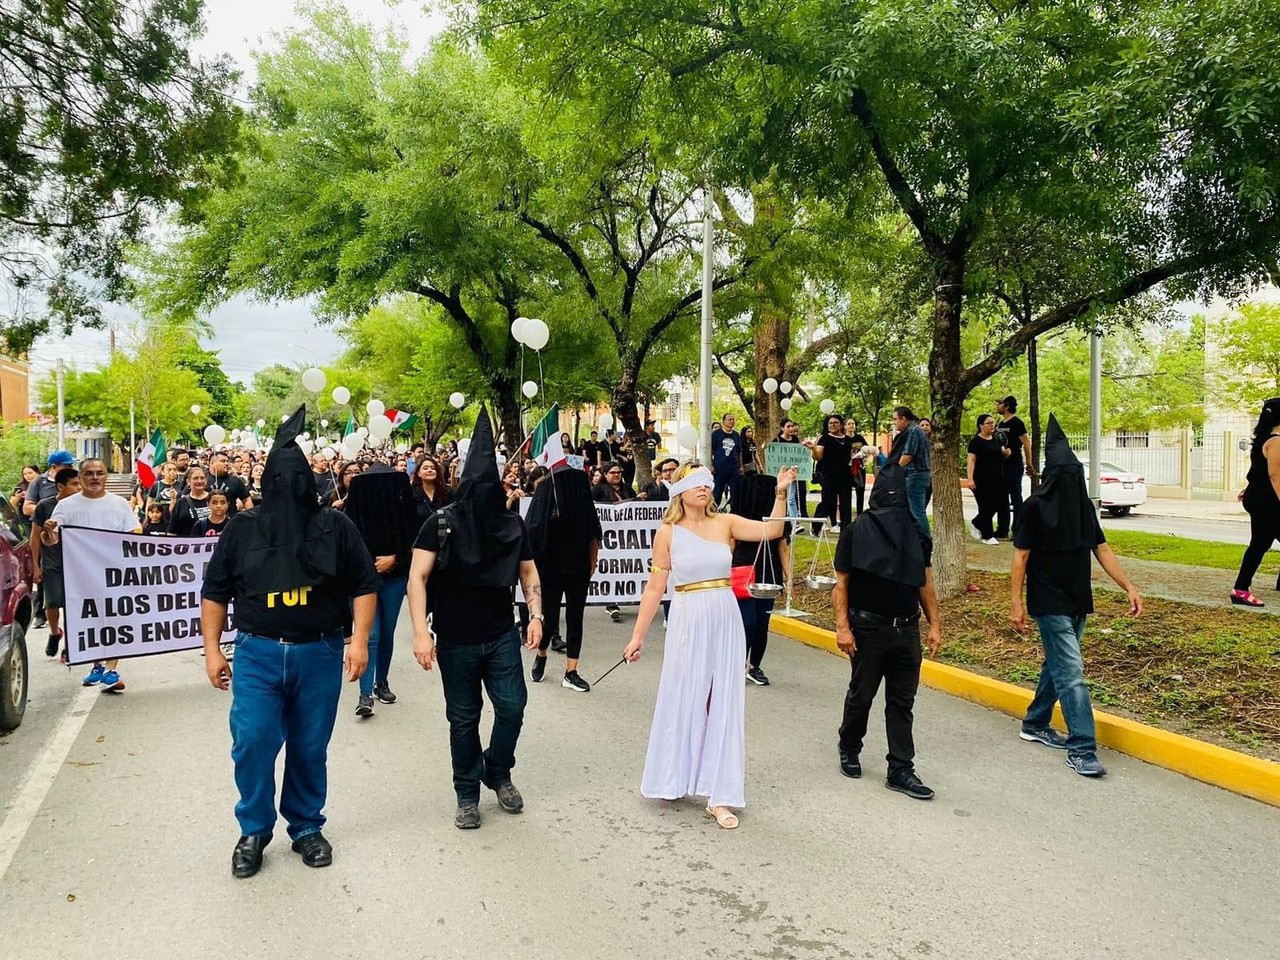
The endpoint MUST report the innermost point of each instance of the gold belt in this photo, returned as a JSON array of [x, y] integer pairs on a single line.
[[724, 582]]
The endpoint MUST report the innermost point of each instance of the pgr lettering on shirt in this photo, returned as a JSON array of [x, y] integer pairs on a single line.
[[289, 598]]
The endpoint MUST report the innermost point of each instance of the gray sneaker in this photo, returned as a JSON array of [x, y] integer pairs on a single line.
[[467, 817], [1046, 735], [1086, 764], [364, 706], [509, 798]]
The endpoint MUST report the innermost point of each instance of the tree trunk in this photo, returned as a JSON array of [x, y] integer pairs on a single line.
[[625, 400], [948, 394], [508, 410], [772, 340], [1033, 410]]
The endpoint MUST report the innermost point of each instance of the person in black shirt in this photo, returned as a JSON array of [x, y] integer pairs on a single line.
[[216, 521], [165, 490], [221, 478], [1053, 540], [613, 488], [883, 579], [46, 558], [769, 565], [985, 472], [857, 465], [192, 506], [1012, 433], [660, 489], [476, 549], [156, 523], [301, 580], [834, 453]]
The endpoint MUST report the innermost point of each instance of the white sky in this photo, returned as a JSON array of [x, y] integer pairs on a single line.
[[249, 335]]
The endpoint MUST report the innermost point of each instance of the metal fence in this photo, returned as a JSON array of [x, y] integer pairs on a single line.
[[1210, 465]]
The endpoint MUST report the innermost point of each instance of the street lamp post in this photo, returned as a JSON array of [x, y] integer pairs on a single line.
[[704, 398], [62, 413]]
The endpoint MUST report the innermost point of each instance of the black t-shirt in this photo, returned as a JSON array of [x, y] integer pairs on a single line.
[[1058, 581], [462, 614], [988, 458], [186, 513], [872, 594], [1010, 433], [304, 613], [324, 485], [234, 487], [207, 527], [50, 555], [837, 452], [162, 492]]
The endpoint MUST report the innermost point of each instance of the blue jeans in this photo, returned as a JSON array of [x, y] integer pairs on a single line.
[[382, 637], [1062, 681], [463, 669], [283, 695], [919, 489]]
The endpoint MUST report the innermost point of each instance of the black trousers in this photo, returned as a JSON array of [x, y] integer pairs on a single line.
[[557, 586], [1263, 531], [755, 622], [860, 493], [891, 654], [837, 501], [989, 492], [1010, 497]]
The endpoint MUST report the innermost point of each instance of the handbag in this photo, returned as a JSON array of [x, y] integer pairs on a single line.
[[740, 578]]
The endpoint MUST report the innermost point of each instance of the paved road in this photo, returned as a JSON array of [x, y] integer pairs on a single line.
[[128, 854]]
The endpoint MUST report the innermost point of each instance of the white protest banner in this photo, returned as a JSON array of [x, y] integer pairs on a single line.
[[622, 570], [779, 454], [130, 595]]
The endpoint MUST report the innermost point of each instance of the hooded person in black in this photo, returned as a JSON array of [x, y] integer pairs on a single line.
[[564, 535], [1053, 539], [301, 580], [883, 579], [472, 552], [380, 503]]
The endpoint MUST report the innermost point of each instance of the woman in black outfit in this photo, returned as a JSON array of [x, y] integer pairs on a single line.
[[612, 489], [191, 506], [751, 456], [755, 500], [342, 484], [1261, 499], [430, 492], [834, 453], [255, 483], [985, 471]]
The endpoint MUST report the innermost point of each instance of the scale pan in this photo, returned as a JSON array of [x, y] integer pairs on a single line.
[[764, 591], [818, 582]]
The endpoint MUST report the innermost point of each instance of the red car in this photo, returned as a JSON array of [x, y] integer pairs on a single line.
[[15, 616]]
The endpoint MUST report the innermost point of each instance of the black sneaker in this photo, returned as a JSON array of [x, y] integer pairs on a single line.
[[539, 669], [575, 682], [756, 676], [851, 767], [909, 784], [39, 623], [558, 645], [616, 615], [1046, 735], [51, 645], [467, 817], [1086, 764], [365, 707], [383, 693], [509, 798]]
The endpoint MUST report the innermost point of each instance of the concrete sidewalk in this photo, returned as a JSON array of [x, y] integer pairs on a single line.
[[1016, 858]]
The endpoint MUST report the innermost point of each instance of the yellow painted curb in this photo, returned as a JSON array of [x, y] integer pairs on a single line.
[[1237, 772]]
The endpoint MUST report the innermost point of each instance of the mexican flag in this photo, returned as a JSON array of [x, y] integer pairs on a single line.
[[148, 457], [402, 419], [547, 426], [350, 427]]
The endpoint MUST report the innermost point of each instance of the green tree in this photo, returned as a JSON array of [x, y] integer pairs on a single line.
[[19, 446], [1248, 361], [1141, 134], [104, 117]]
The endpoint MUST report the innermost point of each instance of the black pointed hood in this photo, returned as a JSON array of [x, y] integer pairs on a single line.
[[483, 544], [380, 503], [1065, 514], [885, 539], [291, 543]]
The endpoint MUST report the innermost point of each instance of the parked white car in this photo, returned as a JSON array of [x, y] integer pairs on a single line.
[[1121, 490]]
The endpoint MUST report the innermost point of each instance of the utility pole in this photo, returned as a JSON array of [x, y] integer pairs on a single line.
[[1095, 419], [62, 414], [704, 400], [133, 438]]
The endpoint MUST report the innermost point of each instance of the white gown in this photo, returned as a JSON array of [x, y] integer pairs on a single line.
[[697, 744]]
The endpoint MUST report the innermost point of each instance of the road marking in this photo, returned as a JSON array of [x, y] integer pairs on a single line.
[[41, 775]]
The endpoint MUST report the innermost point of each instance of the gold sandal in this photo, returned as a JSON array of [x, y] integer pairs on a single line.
[[726, 820]]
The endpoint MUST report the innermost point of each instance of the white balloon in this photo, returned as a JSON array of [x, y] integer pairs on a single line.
[[314, 379], [352, 444], [536, 334], [375, 408], [195, 409], [688, 437], [250, 442], [606, 421], [785, 386], [214, 434], [261, 423], [284, 417], [402, 448], [324, 423], [827, 406], [464, 447], [457, 400], [785, 403], [517, 328], [341, 396], [306, 436], [770, 385], [380, 427], [529, 389], [362, 432], [329, 452], [305, 445]]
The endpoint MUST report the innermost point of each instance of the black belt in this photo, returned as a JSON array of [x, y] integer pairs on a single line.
[[300, 638], [869, 619]]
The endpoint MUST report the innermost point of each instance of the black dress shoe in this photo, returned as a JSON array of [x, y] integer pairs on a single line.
[[558, 645], [246, 858], [850, 766], [315, 850]]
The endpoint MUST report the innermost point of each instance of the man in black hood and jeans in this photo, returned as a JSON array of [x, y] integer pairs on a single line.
[[299, 575], [476, 549], [883, 579]]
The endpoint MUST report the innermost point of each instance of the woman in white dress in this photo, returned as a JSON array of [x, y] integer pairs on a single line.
[[697, 744]]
